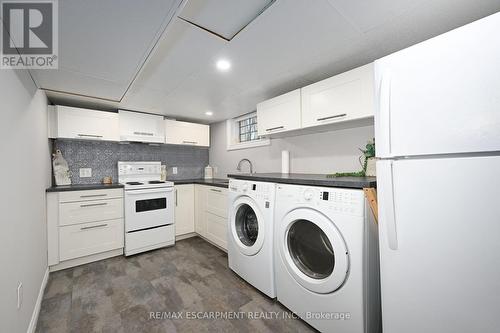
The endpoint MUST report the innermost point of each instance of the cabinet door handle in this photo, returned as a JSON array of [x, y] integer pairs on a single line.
[[274, 128], [93, 205], [90, 136], [190, 142], [176, 198], [94, 226], [144, 133], [332, 117], [215, 190], [92, 195]]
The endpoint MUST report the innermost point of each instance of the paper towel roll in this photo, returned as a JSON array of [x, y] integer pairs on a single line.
[[285, 161]]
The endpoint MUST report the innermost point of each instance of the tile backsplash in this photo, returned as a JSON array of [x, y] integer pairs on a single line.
[[102, 158]]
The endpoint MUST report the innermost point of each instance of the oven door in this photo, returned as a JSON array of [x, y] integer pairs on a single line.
[[148, 208]]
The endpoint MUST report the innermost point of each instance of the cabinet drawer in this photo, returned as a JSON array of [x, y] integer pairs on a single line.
[[72, 196], [90, 211], [90, 238], [217, 201], [217, 230]]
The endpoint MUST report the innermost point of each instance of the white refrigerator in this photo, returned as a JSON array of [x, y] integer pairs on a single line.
[[437, 128]]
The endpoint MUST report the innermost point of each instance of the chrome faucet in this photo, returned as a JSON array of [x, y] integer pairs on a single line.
[[249, 163]]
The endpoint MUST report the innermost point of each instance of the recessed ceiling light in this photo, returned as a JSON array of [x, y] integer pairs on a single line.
[[209, 113], [223, 65]]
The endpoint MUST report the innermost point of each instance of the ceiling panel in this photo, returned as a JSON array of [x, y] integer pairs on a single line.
[[106, 40], [181, 51], [291, 44], [223, 17], [369, 14], [429, 19]]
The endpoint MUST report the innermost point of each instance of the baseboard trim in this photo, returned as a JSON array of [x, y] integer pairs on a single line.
[[85, 260], [185, 236], [38, 304]]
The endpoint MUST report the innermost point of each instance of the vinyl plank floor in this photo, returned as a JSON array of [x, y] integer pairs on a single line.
[[177, 289]]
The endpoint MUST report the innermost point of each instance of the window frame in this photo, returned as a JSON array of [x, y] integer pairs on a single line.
[[233, 134]]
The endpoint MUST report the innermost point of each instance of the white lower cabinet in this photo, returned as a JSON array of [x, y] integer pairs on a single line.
[[81, 240], [184, 209], [84, 226], [211, 214], [216, 229]]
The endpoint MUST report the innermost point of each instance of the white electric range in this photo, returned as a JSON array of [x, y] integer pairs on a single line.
[[149, 207]]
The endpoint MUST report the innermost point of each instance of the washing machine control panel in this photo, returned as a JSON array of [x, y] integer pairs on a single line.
[[259, 190]]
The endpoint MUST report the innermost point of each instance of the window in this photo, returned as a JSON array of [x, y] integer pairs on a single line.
[[242, 132], [248, 129]]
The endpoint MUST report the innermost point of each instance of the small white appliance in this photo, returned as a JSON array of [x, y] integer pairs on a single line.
[[437, 128], [326, 262], [149, 207], [250, 233]]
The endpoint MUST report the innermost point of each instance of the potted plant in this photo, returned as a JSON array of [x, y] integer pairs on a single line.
[[367, 161]]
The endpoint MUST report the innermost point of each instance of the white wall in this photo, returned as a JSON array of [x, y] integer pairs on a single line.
[[327, 152], [25, 174]]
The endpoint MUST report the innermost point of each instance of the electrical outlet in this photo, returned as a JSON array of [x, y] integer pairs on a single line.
[[85, 172], [174, 170], [19, 295]]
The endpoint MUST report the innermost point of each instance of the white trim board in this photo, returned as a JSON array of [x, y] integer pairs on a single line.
[[38, 304]]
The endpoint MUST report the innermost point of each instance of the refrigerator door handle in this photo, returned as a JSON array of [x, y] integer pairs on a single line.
[[388, 202], [384, 115]]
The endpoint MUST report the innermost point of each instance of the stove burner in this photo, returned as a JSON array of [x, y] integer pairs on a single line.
[[134, 183], [156, 182]]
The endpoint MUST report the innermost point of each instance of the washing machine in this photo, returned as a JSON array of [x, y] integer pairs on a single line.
[[250, 233], [326, 250]]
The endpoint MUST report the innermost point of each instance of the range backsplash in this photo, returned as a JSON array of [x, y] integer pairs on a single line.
[[103, 157]]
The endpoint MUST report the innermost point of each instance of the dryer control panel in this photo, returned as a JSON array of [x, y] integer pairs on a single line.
[[336, 200]]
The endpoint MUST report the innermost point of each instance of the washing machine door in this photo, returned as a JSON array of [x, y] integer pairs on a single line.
[[313, 250], [247, 226]]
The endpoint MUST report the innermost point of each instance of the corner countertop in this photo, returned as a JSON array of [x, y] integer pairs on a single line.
[[83, 187], [309, 179], [218, 182]]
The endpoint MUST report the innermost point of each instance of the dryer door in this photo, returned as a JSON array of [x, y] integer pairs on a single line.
[[247, 226], [313, 250]]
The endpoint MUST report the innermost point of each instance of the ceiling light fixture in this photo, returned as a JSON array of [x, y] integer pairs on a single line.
[[209, 113], [223, 65]]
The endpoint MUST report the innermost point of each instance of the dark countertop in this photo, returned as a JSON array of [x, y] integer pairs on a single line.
[[308, 179], [83, 187], [219, 182]]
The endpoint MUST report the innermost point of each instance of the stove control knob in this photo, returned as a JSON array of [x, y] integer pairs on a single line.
[[308, 195]]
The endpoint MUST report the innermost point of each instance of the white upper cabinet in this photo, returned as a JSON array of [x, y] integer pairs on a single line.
[[184, 133], [279, 114], [76, 123], [347, 96], [141, 127]]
